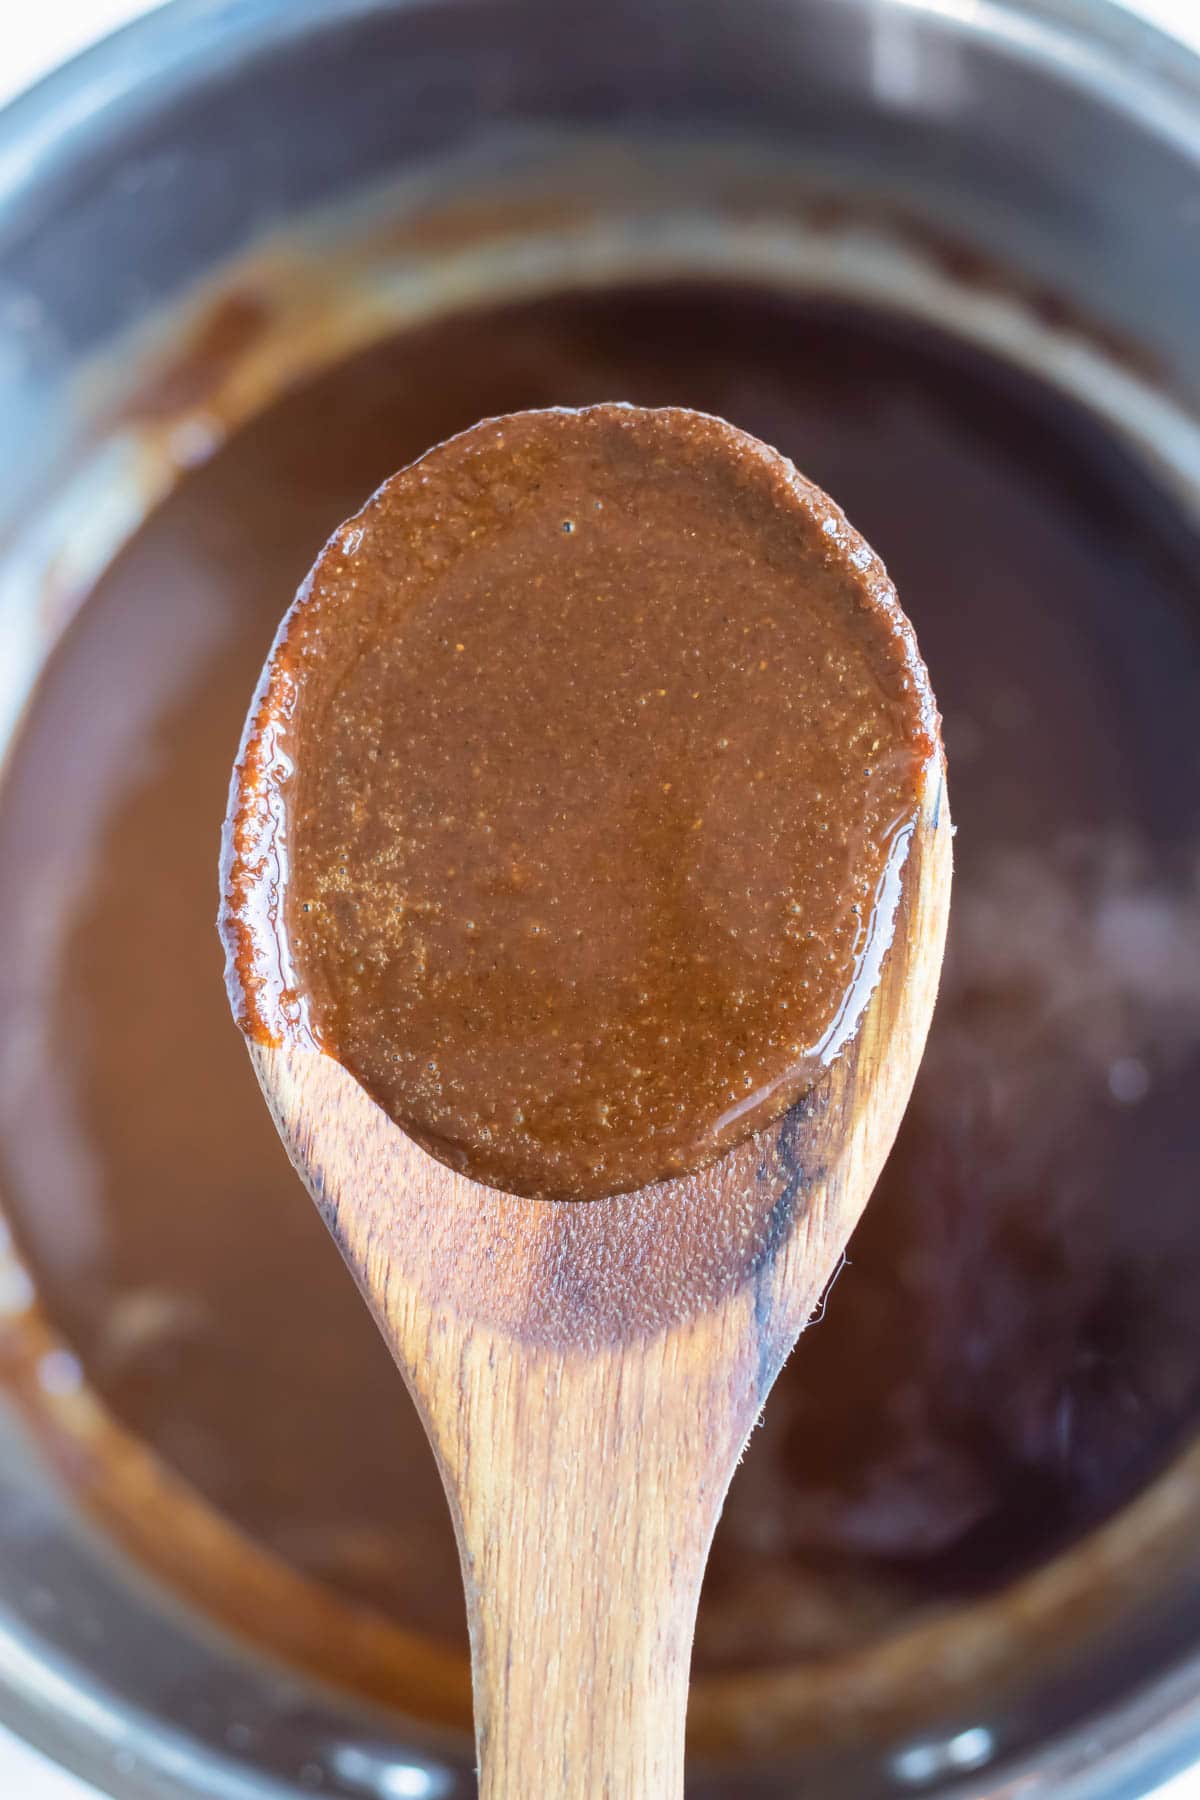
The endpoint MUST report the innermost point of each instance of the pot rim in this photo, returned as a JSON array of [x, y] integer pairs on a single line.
[[1100, 43]]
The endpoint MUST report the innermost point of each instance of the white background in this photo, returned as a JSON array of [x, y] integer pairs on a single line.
[[41, 34]]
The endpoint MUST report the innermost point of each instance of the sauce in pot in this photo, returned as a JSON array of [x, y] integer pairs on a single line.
[[1015, 1346]]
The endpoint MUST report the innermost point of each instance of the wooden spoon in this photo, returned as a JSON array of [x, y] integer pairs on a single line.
[[588, 1374]]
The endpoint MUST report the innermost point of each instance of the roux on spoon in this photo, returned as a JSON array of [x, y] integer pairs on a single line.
[[587, 1375], [590, 753]]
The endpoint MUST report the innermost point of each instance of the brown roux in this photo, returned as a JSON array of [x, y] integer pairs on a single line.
[[1015, 1346], [570, 812]]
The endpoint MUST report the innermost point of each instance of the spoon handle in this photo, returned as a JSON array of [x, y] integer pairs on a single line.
[[585, 1493]]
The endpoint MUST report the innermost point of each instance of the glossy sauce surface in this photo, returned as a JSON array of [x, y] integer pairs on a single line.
[[572, 807], [1015, 1345]]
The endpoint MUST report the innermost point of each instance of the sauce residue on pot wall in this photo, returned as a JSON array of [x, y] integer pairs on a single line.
[[572, 803], [1016, 1345]]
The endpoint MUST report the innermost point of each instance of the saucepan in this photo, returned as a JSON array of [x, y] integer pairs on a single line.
[[1055, 140]]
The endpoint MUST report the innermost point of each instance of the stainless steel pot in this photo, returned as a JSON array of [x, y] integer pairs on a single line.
[[1056, 138]]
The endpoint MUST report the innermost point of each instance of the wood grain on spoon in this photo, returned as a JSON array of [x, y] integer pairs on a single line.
[[588, 1373]]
